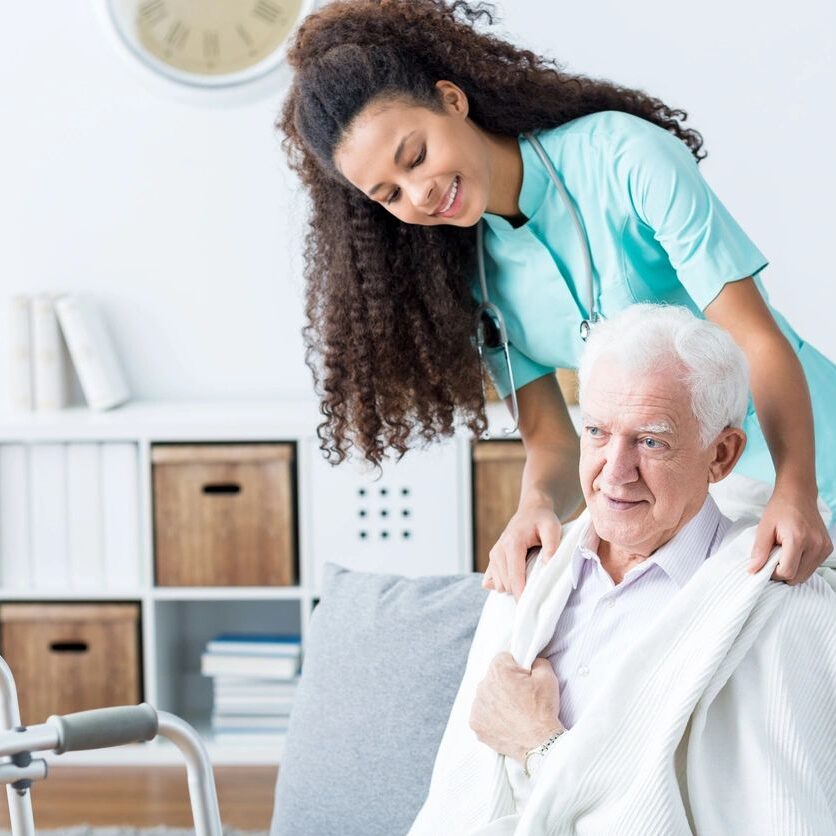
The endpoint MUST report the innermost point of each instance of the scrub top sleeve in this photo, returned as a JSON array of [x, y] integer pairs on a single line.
[[704, 243], [524, 369]]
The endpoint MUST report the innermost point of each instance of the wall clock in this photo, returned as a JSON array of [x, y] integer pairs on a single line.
[[208, 43]]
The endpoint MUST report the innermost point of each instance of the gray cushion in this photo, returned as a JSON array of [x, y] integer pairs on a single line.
[[384, 657]]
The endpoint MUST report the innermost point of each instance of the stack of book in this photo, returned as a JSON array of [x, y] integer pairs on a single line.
[[48, 335], [254, 680]]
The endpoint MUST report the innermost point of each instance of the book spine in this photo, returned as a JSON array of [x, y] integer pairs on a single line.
[[50, 371], [21, 395], [229, 684], [283, 669], [248, 737], [277, 690], [84, 502], [240, 649], [120, 515], [48, 497], [253, 709], [248, 724], [15, 553], [93, 354]]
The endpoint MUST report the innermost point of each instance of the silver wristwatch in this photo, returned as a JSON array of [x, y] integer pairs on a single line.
[[534, 756]]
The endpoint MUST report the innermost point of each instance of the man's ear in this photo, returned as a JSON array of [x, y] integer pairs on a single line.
[[727, 448], [453, 98]]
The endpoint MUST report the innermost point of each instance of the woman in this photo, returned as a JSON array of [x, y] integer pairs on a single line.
[[409, 128]]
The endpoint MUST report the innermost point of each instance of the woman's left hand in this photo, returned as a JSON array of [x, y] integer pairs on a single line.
[[792, 521]]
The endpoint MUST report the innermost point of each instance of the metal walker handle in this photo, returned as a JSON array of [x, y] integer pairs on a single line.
[[97, 729]]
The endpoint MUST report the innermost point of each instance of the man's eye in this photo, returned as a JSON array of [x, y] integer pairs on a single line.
[[652, 443], [595, 432], [420, 158], [393, 197]]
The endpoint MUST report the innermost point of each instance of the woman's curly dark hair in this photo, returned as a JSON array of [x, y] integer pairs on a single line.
[[390, 316]]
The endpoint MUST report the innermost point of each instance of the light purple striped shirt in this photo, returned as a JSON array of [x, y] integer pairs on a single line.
[[601, 617]]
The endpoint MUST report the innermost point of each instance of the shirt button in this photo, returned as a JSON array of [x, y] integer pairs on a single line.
[[611, 603], [583, 670]]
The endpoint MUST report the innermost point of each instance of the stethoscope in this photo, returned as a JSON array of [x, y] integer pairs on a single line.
[[492, 311]]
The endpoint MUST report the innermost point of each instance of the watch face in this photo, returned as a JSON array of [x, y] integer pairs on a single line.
[[534, 761], [208, 42]]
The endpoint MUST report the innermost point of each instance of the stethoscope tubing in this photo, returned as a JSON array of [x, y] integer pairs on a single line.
[[592, 312]]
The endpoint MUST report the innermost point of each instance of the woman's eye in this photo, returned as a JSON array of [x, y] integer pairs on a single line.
[[417, 161]]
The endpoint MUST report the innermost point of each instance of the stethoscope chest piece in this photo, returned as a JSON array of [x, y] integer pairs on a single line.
[[586, 325]]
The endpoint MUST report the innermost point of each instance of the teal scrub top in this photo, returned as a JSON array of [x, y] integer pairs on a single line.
[[656, 232]]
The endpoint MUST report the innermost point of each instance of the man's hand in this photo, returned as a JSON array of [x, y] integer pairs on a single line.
[[516, 710]]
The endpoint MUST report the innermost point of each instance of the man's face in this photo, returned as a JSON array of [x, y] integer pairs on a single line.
[[643, 469]]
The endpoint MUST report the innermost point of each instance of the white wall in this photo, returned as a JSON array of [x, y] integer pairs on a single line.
[[758, 80], [184, 223], [180, 218]]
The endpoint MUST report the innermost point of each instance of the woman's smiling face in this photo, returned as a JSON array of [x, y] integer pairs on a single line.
[[424, 166]]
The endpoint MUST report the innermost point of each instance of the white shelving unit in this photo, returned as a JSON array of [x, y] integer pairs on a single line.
[[414, 518]]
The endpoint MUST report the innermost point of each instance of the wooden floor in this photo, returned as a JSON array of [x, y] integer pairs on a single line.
[[146, 797]]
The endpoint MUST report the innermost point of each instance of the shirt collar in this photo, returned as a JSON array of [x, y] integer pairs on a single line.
[[679, 558], [587, 549], [682, 555], [535, 182]]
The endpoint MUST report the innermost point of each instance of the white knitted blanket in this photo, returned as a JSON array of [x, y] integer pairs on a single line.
[[721, 719]]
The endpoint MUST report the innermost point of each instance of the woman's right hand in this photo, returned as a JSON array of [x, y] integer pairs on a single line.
[[549, 485], [532, 525]]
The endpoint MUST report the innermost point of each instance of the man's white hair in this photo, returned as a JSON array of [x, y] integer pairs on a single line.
[[644, 337]]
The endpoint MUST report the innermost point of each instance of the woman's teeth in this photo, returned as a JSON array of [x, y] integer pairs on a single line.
[[452, 197]]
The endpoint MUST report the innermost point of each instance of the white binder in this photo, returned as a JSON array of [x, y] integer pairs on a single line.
[[93, 354], [15, 567], [21, 395], [84, 500], [48, 497], [120, 515], [48, 356]]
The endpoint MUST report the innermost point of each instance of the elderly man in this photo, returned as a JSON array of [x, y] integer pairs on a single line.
[[646, 682]]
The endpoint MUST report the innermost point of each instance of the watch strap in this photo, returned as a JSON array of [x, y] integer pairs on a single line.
[[541, 750]]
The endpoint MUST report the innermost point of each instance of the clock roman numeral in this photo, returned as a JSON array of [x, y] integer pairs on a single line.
[[211, 45], [176, 35], [152, 12], [266, 10], [245, 35]]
